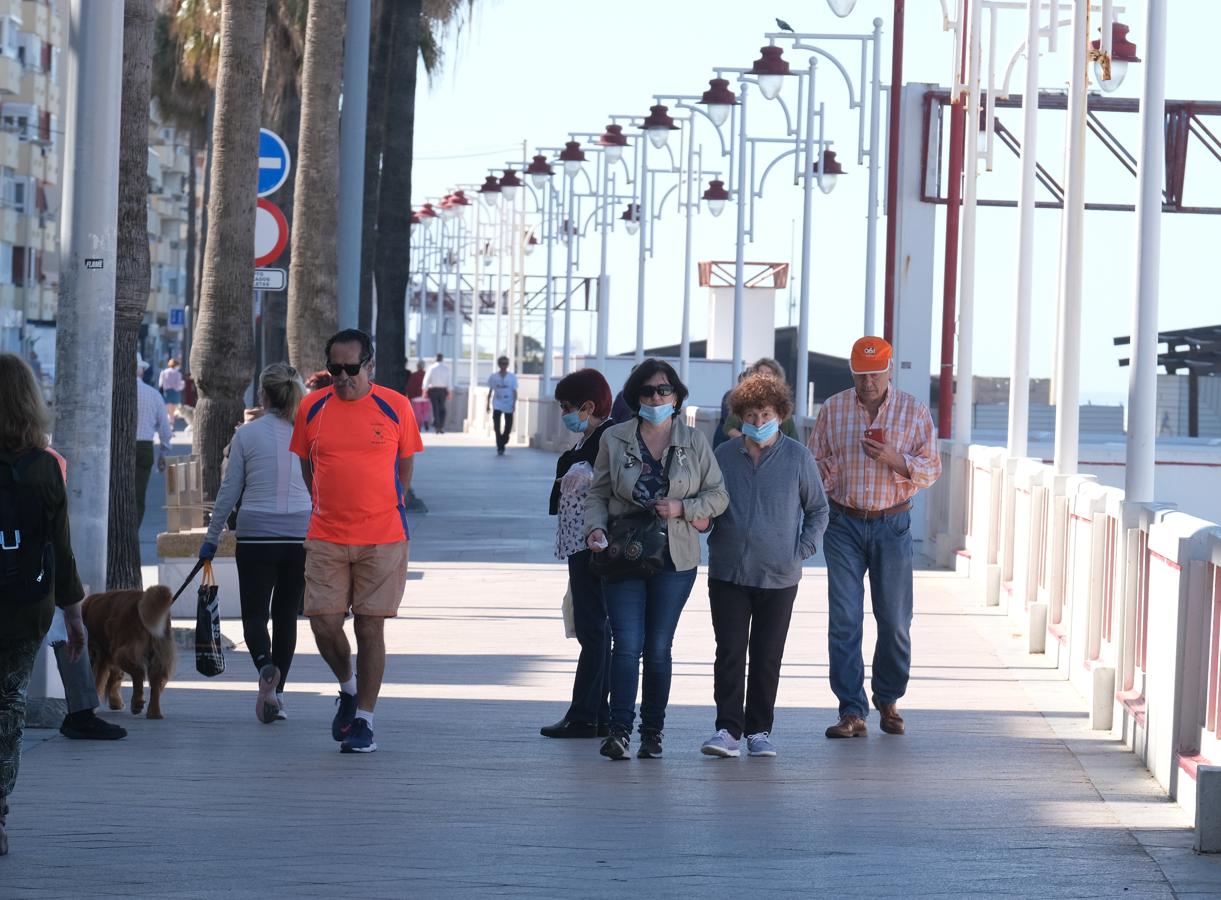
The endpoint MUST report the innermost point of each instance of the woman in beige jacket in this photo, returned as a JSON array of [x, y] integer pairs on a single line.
[[653, 461]]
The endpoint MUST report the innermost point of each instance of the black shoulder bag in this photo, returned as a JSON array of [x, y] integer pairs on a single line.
[[636, 545]]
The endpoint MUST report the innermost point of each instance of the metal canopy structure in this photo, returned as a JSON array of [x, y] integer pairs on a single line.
[[1197, 351], [1185, 120]]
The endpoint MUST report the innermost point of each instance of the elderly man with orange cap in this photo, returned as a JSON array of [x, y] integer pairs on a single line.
[[875, 447]]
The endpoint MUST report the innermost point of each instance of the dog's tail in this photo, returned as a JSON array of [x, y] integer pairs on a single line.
[[154, 609]]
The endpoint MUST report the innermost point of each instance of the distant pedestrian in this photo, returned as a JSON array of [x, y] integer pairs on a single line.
[[654, 462], [775, 520], [502, 401], [875, 448], [357, 442], [732, 426], [439, 385], [37, 566], [584, 398], [415, 381], [172, 384], [152, 424], [263, 476]]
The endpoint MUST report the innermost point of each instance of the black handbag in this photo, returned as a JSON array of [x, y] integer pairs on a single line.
[[636, 548]]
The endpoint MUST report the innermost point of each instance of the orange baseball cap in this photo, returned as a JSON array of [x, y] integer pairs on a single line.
[[870, 354]]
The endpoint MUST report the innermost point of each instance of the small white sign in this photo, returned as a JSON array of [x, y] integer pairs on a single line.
[[270, 279]]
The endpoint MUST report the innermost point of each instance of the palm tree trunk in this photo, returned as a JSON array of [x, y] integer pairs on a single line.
[[221, 358], [375, 129], [131, 292], [394, 196], [312, 313]]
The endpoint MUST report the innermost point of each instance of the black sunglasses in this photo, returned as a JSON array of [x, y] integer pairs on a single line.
[[658, 390], [349, 369]]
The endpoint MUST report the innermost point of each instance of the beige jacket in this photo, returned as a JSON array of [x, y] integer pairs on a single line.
[[695, 478]]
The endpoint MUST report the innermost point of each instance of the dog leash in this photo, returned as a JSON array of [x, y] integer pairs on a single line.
[[195, 571]]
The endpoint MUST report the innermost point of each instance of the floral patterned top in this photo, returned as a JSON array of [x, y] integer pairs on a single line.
[[570, 530], [653, 483]]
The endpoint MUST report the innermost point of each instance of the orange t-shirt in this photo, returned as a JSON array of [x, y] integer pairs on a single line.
[[354, 447]]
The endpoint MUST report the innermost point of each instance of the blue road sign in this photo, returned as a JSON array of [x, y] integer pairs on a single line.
[[177, 316], [274, 164]]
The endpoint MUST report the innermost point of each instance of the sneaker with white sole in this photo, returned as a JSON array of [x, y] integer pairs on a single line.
[[760, 745], [359, 738], [265, 705], [721, 744], [281, 712]]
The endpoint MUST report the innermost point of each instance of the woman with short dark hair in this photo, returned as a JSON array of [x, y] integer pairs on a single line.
[[654, 462], [37, 566], [585, 401], [776, 517]]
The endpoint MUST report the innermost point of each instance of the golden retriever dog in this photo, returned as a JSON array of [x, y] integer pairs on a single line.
[[129, 631]]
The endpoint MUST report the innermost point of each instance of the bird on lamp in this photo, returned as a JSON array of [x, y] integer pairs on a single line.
[[783, 25]]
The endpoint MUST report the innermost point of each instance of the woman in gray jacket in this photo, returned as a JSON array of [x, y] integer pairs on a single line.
[[264, 477], [776, 518], [652, 461]]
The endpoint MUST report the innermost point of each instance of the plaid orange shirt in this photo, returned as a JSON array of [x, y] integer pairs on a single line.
[[853, 479]]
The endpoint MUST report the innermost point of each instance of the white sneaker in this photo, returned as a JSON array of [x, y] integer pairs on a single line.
[[721, 744], [265, 701], [760, 745], [281, 713]]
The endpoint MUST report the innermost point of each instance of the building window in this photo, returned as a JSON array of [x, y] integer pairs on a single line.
[[29, 52], [21, 118], [6, 263], [21, 267], [10, 42]]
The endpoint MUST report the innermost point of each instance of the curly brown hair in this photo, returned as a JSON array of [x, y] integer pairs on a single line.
[[758, 391], [24, 420]]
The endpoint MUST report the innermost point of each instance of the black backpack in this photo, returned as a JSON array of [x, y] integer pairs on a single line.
[[26, 554]]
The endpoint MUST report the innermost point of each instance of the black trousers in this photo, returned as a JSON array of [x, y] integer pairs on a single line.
[[750, 622], [591, 687], [502, 437], [145, 457], [438, 397], [271, 581]]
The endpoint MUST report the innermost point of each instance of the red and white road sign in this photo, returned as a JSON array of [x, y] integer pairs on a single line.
[[270, 233]]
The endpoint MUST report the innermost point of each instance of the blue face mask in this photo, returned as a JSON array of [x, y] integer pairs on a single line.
[[760, 434], [574, 422], [656, 414]]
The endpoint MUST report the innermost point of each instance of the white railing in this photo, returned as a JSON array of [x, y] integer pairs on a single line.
[[1125, 597]]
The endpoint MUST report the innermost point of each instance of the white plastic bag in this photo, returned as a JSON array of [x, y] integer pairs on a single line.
[[570, 622], [577, 479]]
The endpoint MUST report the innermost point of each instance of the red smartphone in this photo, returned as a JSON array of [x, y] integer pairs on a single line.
[[876, 434]]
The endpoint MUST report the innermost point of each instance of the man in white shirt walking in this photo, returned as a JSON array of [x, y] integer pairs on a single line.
[[502, 400], [438, 385], [151, 423]]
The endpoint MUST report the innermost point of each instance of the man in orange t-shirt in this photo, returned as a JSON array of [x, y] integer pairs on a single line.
[[356, 441]]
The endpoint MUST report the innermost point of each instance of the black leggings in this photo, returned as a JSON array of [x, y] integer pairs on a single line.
[[271, 577]]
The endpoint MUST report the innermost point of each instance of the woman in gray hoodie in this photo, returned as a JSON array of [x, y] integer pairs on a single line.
[[776, 518]]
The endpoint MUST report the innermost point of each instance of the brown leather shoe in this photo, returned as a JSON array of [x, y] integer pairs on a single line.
[[892, 722], [848, 727]]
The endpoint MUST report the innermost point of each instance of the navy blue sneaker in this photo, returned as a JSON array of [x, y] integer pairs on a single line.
[[342, 722], [359, 739]]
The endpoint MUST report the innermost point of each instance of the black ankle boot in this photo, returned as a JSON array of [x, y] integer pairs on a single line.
[[650, 744], [3, 833]]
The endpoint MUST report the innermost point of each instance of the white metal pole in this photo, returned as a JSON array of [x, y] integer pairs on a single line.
[[875, 160], [643, 217], [456, 315], [964, 397], [84, 353], [1139, 482], [684, 347], [442, 287], [809, 163], [603, 277], [1019, 378], [549, 292], [352, 157], [423, 292], [739, 263], [1068, 348], [500, 276], [571, 239], [475, 304]]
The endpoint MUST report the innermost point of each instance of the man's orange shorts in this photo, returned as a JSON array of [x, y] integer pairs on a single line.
[[366, 579]]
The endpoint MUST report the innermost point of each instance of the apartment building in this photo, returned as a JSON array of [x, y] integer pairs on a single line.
[[33, 57]]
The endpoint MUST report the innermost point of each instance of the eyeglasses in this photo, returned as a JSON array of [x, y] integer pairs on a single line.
[[349, 369], [657, 390]]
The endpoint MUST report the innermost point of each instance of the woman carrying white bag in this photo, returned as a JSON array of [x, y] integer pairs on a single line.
[[585, 402]]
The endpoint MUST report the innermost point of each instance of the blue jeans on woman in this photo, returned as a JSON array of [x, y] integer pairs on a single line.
[[643, 616], [881, 548]]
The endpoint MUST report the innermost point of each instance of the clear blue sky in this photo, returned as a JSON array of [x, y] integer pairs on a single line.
[[533, 71]]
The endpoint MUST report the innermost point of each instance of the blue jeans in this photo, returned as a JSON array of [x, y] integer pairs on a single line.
[[591, 686], [643, 616], [883, 549]]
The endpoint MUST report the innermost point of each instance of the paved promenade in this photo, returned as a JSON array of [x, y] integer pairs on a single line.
[[998, 789]]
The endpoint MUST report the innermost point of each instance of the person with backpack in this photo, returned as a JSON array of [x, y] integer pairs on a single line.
[[37, 566]]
